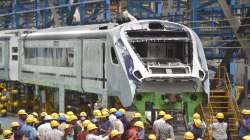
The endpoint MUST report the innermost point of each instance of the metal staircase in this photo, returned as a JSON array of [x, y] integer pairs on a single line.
[[222, 99]]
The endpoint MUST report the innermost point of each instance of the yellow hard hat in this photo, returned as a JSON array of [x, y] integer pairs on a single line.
[[3, 111], [115, 133], [70, 113], [65, 126], [4, 89], [243, 111], [196, 116], [83, 114], [15, 124], [112, 110], [246, 137], [3, 98], [30, 119], [73, 117], [188, 136], [139, 124], [220, 115], [15, 104], [105, 109], [7, 132], [85, 123], [54, 116], [43, 114], [162, 113], [137, 115], [54, 123], [167, 117], [105, 114], [67, 118], [14, 91], [1, 106], [91, 126], [247, 112], [197, 123], [95, 112], [21, 112], [98, 115], [152, 137], [122, 110], [35, 114], [36, 121]]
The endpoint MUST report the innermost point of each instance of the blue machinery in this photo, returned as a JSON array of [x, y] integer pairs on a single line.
[[206, 17]]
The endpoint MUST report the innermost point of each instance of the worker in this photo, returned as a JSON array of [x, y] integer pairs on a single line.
[[158, 122], [97, 117], [196, 129], [133, 132], [8, 134], [82, 134], [43, 129], [115, 135], [54, 134], [112, 116], [245, 124], [189, 136], [197, 116], [68, 132], [137, 117], [92, 133], [82, 116], [152, 137], [22, 117], [105, 126], [62, 121], [18, 135], [247, 137], [118, 125], [219, 128], [28, 129], [76, 128], [15, 126], [165, 130]]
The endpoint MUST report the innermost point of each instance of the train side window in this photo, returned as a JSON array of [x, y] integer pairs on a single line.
[[14, 49], [113, 56], [14, 57]]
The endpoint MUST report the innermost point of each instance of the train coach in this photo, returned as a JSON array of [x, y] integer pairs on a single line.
[[146, 56]]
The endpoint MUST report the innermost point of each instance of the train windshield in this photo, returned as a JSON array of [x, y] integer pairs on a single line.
[[162, 49]]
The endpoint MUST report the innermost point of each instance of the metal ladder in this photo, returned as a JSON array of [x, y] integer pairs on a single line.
[[222, 100]]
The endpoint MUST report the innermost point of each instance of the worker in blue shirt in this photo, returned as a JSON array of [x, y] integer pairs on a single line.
[[28, 129]]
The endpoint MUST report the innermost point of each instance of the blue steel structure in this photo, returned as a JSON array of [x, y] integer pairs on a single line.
[[204, 16], [37, 13], [211, 26]]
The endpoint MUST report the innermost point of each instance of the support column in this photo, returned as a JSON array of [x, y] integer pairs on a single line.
[[61, 98]]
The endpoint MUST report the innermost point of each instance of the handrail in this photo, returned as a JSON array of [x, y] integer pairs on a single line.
[[232, 97], [207, 121]]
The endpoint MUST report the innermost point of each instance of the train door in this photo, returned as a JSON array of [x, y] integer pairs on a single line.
[[3, 60], [93, 65], [13, 58]]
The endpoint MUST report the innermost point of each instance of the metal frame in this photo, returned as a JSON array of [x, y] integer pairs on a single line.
[[39, 12]]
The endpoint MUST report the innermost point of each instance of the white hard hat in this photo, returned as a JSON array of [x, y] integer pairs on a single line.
[[48, 117]]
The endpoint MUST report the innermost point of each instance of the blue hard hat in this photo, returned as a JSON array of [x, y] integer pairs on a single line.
[[118, 114], [62, 118]]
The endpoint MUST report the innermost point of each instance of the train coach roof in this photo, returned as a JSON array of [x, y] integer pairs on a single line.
[[69, 31]]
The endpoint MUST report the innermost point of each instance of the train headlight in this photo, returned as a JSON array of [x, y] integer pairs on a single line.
[[137, 74], [201, 74]]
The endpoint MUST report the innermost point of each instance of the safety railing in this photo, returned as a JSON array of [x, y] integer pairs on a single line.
[[231, 92]]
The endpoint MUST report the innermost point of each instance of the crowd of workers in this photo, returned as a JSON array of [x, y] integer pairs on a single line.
[[113, 124]]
